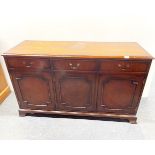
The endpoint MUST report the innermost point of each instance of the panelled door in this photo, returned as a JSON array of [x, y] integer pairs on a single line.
[[34, 90], [75, 91], [119, 93]]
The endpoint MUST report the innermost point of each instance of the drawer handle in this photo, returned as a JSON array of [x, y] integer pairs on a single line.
[[125, 67], [134, 82], [28, 65], [74, 67]]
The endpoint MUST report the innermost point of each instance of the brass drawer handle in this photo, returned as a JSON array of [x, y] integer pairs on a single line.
[[28, 65], [74, 67], [134, 82], [124, 67]]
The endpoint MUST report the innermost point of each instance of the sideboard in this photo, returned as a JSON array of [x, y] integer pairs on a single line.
[[99, 79]]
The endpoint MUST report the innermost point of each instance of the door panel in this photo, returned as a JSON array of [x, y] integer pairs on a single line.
[[75, 91], [119, 93], [34, 90]]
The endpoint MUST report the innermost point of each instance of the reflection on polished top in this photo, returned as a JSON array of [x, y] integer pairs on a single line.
[[80, 49]]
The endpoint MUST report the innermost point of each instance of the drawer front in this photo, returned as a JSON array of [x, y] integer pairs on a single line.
[[28, 63], [71, 64], [124, 66]]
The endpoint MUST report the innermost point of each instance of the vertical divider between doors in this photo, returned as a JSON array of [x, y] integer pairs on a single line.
[[53, 83], [97, 84]]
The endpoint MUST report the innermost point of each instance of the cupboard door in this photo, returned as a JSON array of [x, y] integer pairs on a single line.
[[75, 91], [34, 90], [119, 93]]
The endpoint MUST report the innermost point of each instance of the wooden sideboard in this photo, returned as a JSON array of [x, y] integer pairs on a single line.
[[99, 79]]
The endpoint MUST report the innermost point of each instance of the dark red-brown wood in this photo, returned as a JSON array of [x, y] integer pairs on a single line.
[[34, 90], [81, 87], [124, 66], [75, 91], [119, 94]]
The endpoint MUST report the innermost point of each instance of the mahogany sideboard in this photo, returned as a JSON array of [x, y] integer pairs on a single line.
[[99, 79]]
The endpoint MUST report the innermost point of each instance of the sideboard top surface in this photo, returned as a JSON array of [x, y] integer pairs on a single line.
[[80, 49]]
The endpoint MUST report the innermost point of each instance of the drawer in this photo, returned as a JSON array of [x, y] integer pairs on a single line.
[[74, 64], [28, 63], [124, 66]]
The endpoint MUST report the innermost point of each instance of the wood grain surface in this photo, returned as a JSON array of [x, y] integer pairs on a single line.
[[80, 49]]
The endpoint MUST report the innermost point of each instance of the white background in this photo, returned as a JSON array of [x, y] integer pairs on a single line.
[[79, 20]]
